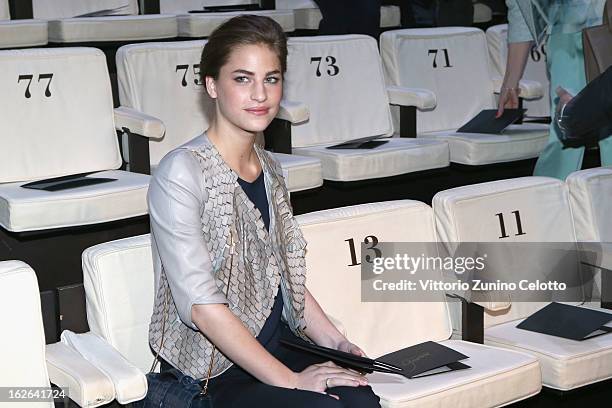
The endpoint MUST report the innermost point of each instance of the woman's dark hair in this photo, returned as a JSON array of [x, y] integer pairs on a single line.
[[242, 30]]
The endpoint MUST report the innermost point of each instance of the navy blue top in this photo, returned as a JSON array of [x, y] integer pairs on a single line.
[[256, 191]]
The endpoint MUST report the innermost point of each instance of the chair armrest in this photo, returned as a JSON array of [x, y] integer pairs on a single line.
[[139, 123], [529, 89], [88, 386], [293, 112], [130, 383], [420, 98]]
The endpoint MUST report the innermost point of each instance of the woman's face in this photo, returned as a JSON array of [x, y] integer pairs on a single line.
[[249, 88]]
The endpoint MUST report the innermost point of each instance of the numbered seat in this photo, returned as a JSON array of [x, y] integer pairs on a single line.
[[173, 92], [535, 70], [453, 63], [59, 113], [497, 377], [20, 34], [26, 359], [522, 217], [308, 16], [590, 192], [340, 79]]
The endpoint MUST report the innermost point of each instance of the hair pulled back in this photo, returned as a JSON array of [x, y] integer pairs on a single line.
[[242, 30]]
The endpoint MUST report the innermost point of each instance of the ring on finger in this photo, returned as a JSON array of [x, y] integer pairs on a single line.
[[327, 383]]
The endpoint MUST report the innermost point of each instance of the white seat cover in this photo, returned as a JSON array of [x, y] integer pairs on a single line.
[[308, 15], [331, 65], [469, 214], [383, 327], [118, 279], [184, 6], [453, 62], [203, 24], [55, 9], [173, 93], [397, 156], [497, 40], [67, 91], [113, 28], [4, 10], [23, 33], [566, 364], [23, 209], [22, 344]]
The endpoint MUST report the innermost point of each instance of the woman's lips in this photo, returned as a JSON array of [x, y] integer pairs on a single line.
[[258, 111]]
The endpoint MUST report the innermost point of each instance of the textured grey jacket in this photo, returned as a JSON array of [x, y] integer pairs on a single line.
[[195, 203]]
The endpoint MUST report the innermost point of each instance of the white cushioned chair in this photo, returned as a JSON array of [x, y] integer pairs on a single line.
[[542, 210], [20, 34], [173, 93], [66, 27], [340, 79], [59, 113], [497, 377], [23, 349], [590, 192], [308, 15], [535, 70], [453, 62]]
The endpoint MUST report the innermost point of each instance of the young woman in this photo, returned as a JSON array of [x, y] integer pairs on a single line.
[[528, 21], [228, 254]]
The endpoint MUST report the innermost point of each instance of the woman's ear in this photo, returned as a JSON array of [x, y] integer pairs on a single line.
[[211, 87]]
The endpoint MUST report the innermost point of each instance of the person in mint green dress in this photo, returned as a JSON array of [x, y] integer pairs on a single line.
[[560, 23]]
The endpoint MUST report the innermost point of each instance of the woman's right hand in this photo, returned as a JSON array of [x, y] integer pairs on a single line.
[[508, 98], [320, 377]]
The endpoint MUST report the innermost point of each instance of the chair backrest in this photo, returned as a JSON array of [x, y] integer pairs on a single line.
[[118, 279], [452, 62], [55, 9], [522, 210], [184, 6], [497, 40], [340, 79], [334, 277], [22, 344], [590, 193], [4, 10], [162, 80], [58, 114]]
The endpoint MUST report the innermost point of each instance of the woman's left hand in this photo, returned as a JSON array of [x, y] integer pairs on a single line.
[[349, 347]]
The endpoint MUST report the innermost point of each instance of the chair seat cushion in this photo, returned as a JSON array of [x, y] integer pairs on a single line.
[[301, 173], [23, 33], [566, 364], [199, 25], [518, 142], [398, 156], [23, 209], [497, 377], [113, 28], [309, 18]]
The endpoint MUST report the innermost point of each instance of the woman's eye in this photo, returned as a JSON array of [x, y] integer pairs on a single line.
[[241, 79], [272, 79]]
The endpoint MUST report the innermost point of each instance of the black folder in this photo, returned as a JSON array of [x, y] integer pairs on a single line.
[[421, 360], [486, 122], [368, 142], [67, 182], [228, 8], [570, 322], [425, 359]]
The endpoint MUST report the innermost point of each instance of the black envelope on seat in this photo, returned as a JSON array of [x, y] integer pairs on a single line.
[[425, 359], [569, 322], [368, 142], [67, 182], [486, 122]]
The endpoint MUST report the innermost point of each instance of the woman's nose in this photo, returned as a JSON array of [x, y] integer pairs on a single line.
[[258, 92]]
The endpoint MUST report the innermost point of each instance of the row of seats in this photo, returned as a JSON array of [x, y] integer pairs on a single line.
[[110, 361]]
